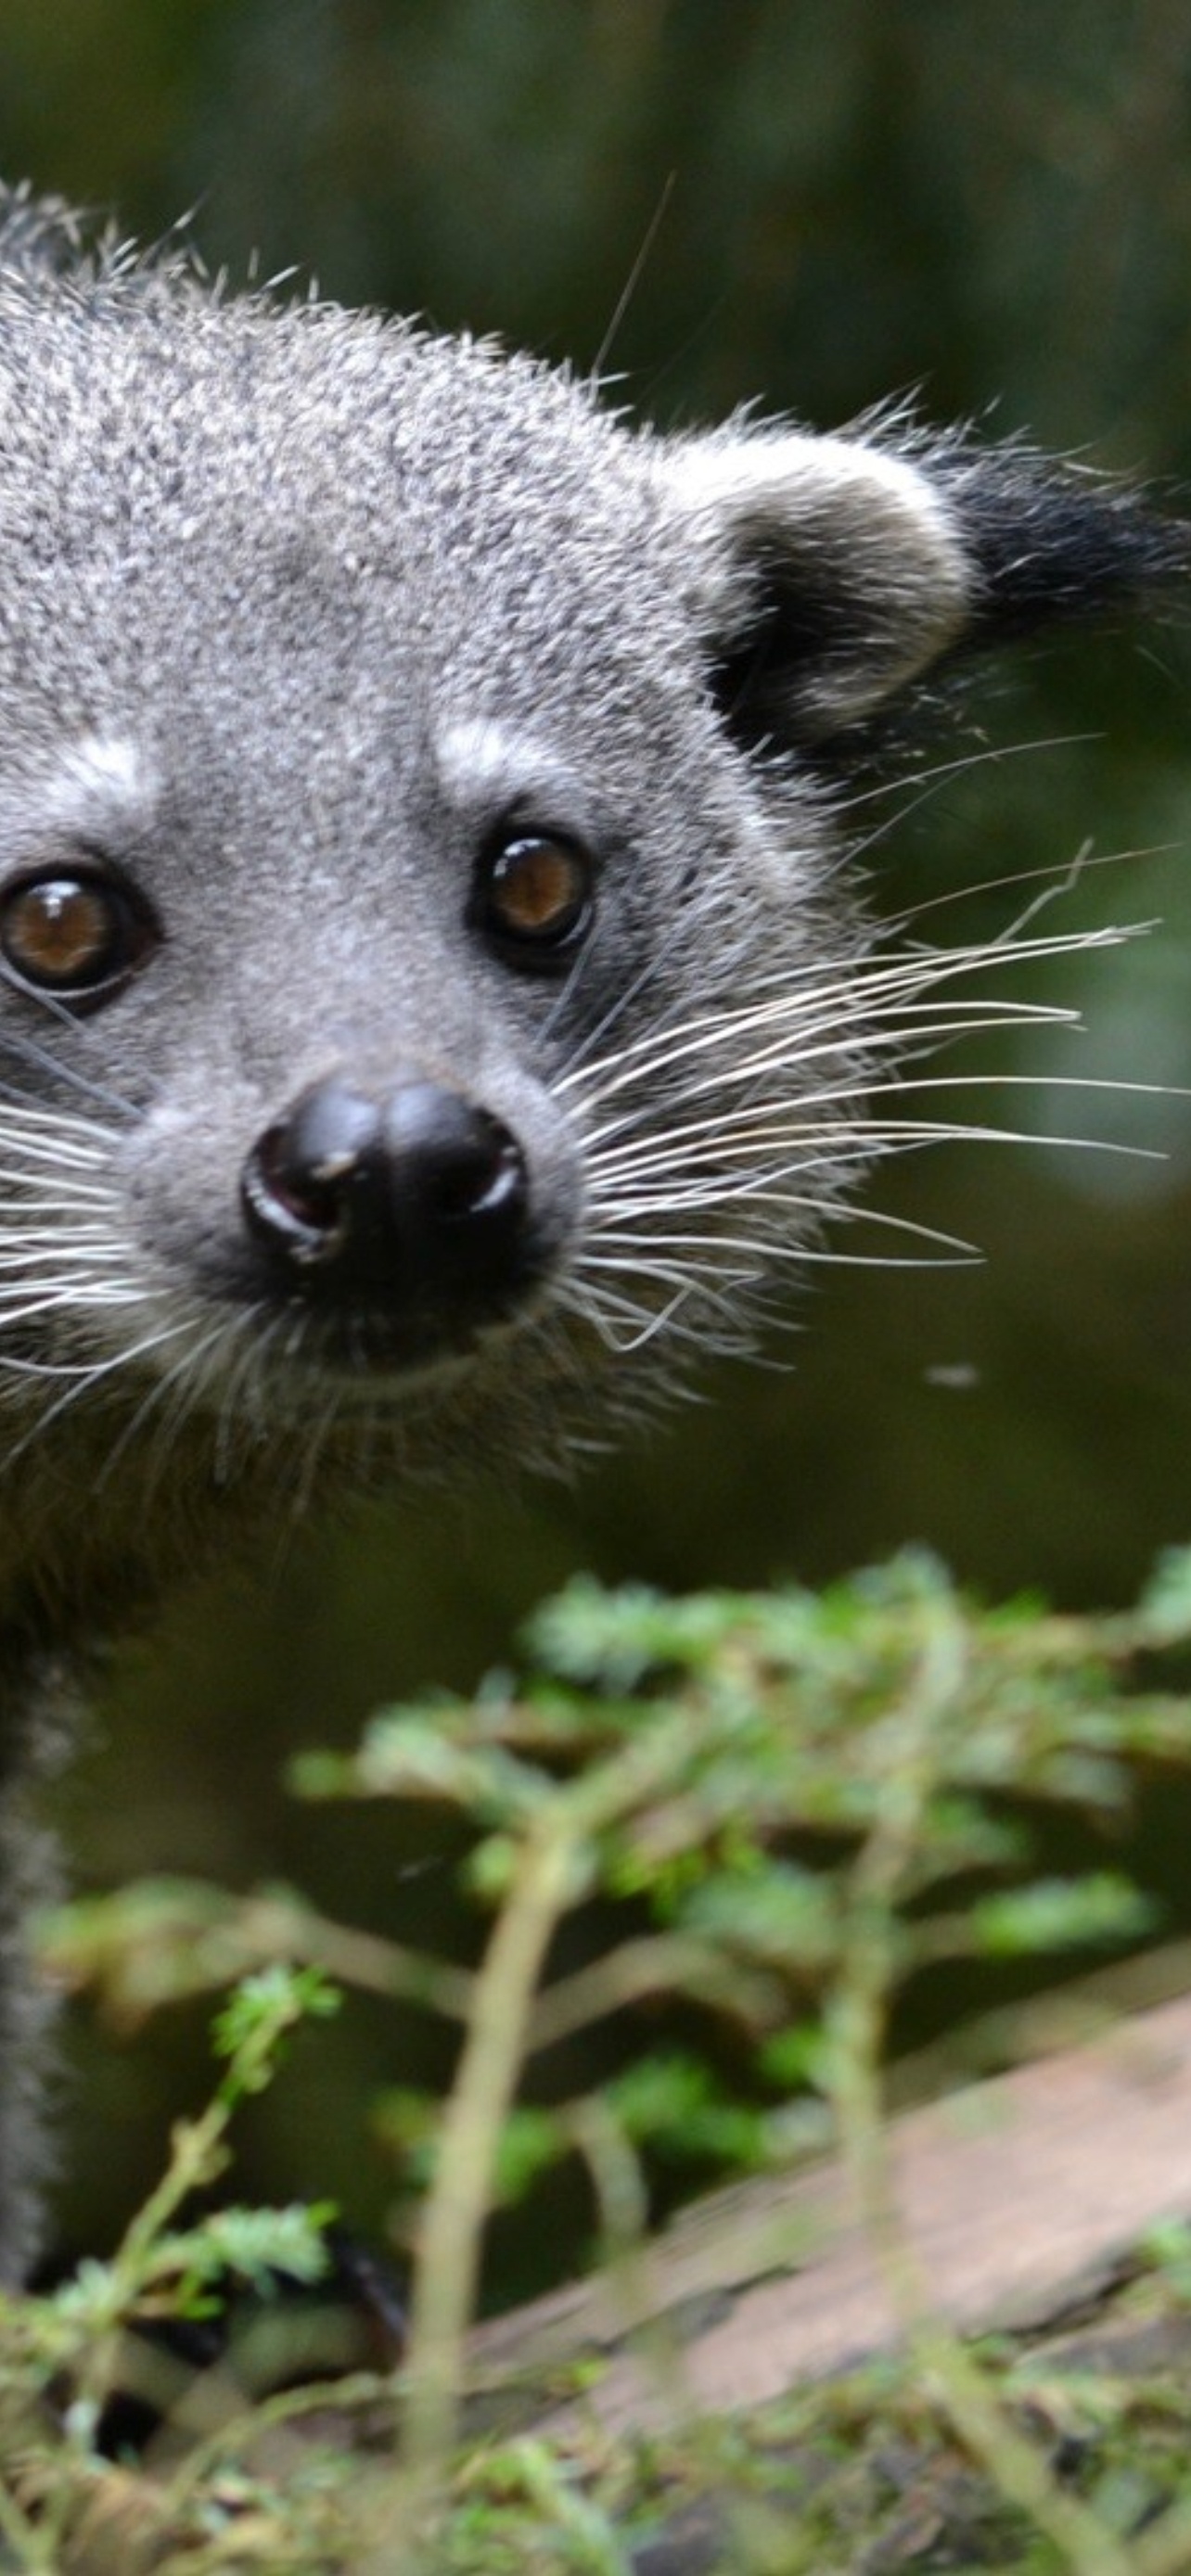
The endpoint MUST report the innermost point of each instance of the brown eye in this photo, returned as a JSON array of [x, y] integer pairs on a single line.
[[536, 894], [71, 935]]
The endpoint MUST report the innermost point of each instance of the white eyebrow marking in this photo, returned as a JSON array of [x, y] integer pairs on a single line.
[[104, 769], [99, 787]]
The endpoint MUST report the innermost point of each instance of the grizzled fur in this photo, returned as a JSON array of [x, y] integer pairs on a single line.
[[311, 626]]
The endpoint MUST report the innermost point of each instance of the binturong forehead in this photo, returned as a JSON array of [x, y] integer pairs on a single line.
[[308, 509]]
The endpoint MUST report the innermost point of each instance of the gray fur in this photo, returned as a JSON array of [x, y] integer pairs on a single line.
[[298, 610]]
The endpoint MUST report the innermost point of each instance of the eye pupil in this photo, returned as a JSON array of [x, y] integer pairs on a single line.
[[71, 935], [58, 930], [538, 891]]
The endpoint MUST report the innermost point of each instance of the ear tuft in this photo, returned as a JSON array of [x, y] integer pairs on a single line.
[[1051, 544], [833, 573]]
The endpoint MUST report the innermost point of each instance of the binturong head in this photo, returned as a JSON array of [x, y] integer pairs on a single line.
[[434, 1004]]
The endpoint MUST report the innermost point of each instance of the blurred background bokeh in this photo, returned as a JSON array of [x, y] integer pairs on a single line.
[[841, 199]]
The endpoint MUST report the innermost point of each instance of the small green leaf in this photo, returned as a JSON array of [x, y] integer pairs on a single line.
[[1164, 1611], [1059, 1913]]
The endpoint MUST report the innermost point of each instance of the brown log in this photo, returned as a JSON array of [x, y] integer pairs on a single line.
[[1020, 2195]]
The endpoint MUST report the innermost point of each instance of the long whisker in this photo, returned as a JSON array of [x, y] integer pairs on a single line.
[[718, 1140]]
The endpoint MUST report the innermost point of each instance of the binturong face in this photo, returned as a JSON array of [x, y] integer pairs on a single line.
[[433, 1000]]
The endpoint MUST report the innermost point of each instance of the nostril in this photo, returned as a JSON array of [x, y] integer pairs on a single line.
[[460, 1160], [298, 1179]]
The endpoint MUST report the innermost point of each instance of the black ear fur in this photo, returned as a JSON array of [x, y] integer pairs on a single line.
[[1052, 544], [768, 680]]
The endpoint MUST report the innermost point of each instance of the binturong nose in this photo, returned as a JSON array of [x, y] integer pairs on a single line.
[[415, 1200]]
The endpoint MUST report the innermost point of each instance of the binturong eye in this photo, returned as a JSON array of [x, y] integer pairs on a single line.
[[534, 897], [77, 936]]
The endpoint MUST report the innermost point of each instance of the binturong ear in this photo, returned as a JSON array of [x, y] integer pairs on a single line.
[[831, 574]]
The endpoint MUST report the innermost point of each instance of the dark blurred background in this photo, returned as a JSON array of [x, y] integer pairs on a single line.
[[851, 198]]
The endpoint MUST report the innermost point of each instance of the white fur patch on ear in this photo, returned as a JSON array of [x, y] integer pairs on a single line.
[[857, 534]]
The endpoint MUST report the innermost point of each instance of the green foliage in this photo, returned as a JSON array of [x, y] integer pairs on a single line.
[[1167, 2247], [801, 1803], [673, 2105], [1057, 1914]]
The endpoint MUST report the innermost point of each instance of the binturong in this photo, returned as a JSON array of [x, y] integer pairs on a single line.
[[436, 1002]]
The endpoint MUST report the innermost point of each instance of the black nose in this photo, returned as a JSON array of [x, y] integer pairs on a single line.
[[417, 1201]]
